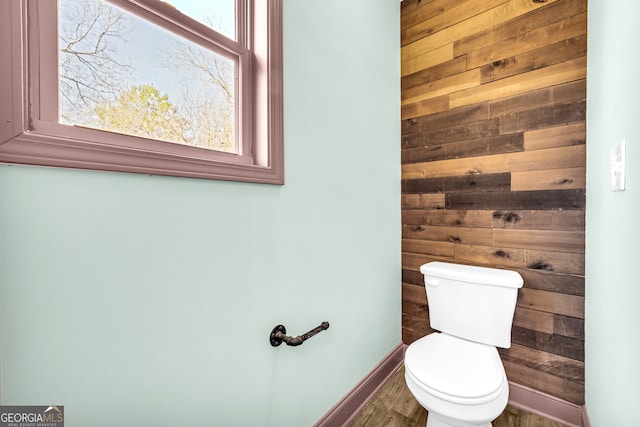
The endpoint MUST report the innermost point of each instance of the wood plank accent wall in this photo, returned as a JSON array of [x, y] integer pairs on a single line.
[[493, 167]]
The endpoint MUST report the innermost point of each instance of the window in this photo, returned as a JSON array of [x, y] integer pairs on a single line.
[[144, 86]]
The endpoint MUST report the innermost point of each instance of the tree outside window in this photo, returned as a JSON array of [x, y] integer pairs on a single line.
[[120, 74]]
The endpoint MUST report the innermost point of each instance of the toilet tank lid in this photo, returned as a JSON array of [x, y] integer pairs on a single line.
[[472, 274]]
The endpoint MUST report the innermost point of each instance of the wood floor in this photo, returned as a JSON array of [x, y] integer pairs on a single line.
[[394, 406]]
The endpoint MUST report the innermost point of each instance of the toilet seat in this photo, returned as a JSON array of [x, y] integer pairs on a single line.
[[456, 370]]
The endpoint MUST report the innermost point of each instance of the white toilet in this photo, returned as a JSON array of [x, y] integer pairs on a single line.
[[456, 374]]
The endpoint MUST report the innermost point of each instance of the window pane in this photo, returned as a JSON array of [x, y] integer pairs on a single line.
[[123, 74], [217, 14]]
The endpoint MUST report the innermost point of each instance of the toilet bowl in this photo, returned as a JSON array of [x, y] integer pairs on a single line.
[[456, 373], [460, 383]]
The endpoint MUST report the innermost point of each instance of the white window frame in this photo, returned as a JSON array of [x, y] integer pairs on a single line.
[[30, 133]]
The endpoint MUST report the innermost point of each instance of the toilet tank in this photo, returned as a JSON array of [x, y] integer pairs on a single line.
[[474, 303]]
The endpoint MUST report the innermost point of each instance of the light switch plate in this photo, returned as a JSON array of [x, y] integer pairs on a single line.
[[617, 167]]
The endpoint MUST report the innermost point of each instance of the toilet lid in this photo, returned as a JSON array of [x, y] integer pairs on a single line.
[[455, 367]]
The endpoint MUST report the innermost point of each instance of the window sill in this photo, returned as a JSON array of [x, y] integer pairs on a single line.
[[32, 148]]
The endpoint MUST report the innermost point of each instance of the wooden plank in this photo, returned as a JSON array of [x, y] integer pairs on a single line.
[[411, 7], [544, 382], [537, 79], [524, 23], [408, 7], [550, 179], [477, 183], [472, 236], [427, 106], [445, 18], [551, 302], [558, 262], [422, 201], [553, 282], [446, 119], [426, 60], [552, 158], [423, 154], [563, 367], [547, 55], [411, 261], [446, 86], [425, 185], [568, 326], [437, 72], [416, 294], [544, 116], [549, 343], [492, 17], [415, 312], [442, 249], [496, 256], [418, 11], [414, 327], [565, 93], [415, 216], [506, 143], [572, 91], [558, 136], [490, 256], [545, 240], [392, 405], [415, 306], [509, 200], [534, 319], [467, 148], [566, 220], [461, 132], [410, 140], [516, 103], [412, 277], [467, 183], [415, 318], [537, 38], [463, 218], [410, 335]]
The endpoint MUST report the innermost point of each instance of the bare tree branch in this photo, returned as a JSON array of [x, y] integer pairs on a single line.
[[89, 69]]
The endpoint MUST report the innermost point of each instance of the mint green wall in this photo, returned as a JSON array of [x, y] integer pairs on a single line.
[[143, 300], [613, 229]]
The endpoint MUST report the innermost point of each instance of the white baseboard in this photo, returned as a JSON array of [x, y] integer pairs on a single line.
[[350, 405]]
